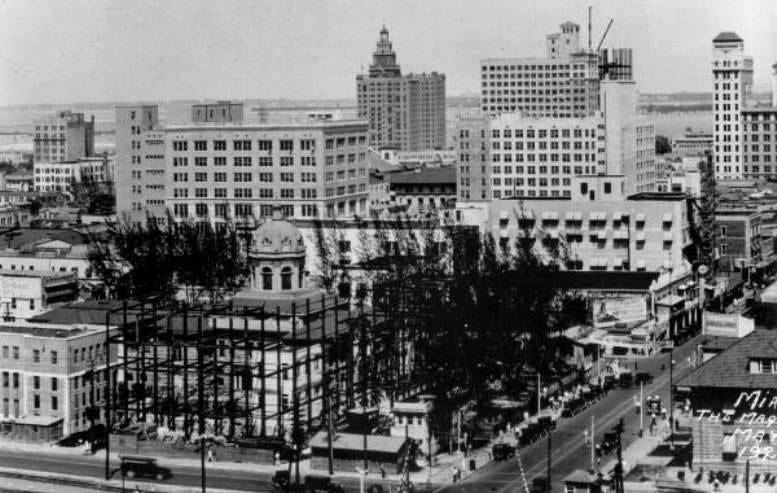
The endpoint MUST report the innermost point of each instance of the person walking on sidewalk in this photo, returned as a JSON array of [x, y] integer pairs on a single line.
[[637, 403]]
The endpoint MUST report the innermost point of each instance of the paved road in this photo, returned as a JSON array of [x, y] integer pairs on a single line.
[[568, 451], [94, 467]]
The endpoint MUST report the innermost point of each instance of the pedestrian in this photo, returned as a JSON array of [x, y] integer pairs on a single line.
[[637, 403], [276, 458], [585, 437], [210, 455], [454, 474], [382, 472]]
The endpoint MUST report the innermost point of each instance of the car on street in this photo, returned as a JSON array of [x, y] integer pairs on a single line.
[[143, 467], [503, 451], [644, 378]]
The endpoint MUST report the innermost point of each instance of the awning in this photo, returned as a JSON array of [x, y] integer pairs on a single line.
[[668, 217], [640, 217], [616, 216], [668, 236], [550, 215], [618, 261], [640, 236], [641, 264], [671, 300], [526, 214], [598, 262], [504, 215], [620, 235]]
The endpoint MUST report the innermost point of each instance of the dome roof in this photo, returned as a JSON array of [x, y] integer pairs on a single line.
[[278, 237]]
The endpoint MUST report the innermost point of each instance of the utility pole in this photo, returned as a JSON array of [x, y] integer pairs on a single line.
[[593, 441], [329, 435], [671, 398], [747, 476], [201, 413], [641, 411], [539, 406], [549, 488], [107, 396]]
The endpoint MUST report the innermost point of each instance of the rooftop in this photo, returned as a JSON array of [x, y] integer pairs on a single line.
[[355, 442], [58, 331], [727, 37], [13, 238], [731, 368], [240, 126], [445, 175]]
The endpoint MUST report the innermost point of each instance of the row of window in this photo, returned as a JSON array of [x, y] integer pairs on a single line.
[[221, 193], [239, 177], [267, 145]]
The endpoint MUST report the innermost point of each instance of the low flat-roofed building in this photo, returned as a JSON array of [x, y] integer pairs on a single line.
[[59, 176], [349, 451], [25, 293], [692, 143], [50, 250], [49, 375], [424, 188]]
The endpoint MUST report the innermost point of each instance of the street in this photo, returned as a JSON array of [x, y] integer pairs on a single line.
[[568, 451]]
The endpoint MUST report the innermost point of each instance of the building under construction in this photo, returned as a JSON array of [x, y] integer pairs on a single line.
[[274, 359]]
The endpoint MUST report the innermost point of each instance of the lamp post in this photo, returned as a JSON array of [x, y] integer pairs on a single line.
[[671, 397]]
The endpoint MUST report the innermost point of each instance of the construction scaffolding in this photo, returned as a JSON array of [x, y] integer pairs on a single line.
[[252, 371]]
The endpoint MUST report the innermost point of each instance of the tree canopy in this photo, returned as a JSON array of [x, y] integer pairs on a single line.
[[153, 260]]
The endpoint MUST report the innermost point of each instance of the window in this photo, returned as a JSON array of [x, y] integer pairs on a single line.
[[287, 161], [16, 380], [722, 231], [265, 145], [200, 145], [219, 145], [287, 145], [36, 382], [344, 246], [200, 177], [179, 145], [36, 355], [16, 352], [287, 177], [286, 278], [36, 401], [54, 403], [241, 145], [267, 279], [220, 161], [5, 379], [54, 384], [219, 177], [5, 351], [220, 193]]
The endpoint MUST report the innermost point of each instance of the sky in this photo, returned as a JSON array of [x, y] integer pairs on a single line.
[[64, 51]]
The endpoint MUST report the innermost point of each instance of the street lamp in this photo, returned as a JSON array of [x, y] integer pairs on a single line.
[[671, 398]]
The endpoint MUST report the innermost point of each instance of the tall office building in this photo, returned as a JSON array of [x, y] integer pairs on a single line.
[[219, 168], [565, 83], [139, 165], [65, 137], [732, 73], [405, 112]]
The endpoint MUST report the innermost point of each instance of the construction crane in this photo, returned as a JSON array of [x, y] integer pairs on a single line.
[[609, 25]]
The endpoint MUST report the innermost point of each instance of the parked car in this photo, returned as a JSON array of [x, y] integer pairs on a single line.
[[503, 451], [323, 484], [135, 466], [643, 378], [625, 380]]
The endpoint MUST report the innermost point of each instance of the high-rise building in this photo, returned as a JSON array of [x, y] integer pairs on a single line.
[[515, 155], [565, 83], [405, 112], [216, 172], [139, 165], [732, 73], [218, 167], [65, 137]]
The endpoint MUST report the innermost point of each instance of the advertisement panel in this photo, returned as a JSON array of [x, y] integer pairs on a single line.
[[727, 324], [20, 287], [608, 311]]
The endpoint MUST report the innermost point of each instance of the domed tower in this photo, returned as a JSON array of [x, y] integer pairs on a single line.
[[277, 257]]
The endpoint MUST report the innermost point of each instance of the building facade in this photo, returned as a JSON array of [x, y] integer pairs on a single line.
[[693, 143], [51, 374], [732, 74], [738, 238], [597, 227], [139, 163], [759, 142], [405, 112], [59, 176], [65, 137], [222, 171], [565, 83], [424, 189]]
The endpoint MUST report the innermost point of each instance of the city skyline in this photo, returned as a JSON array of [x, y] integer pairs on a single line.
[[151, 51]]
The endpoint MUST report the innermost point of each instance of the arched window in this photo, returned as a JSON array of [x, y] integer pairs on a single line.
[[286, 278], [267, 279]]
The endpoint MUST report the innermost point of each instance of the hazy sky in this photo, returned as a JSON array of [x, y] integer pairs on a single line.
[[66, 51]]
